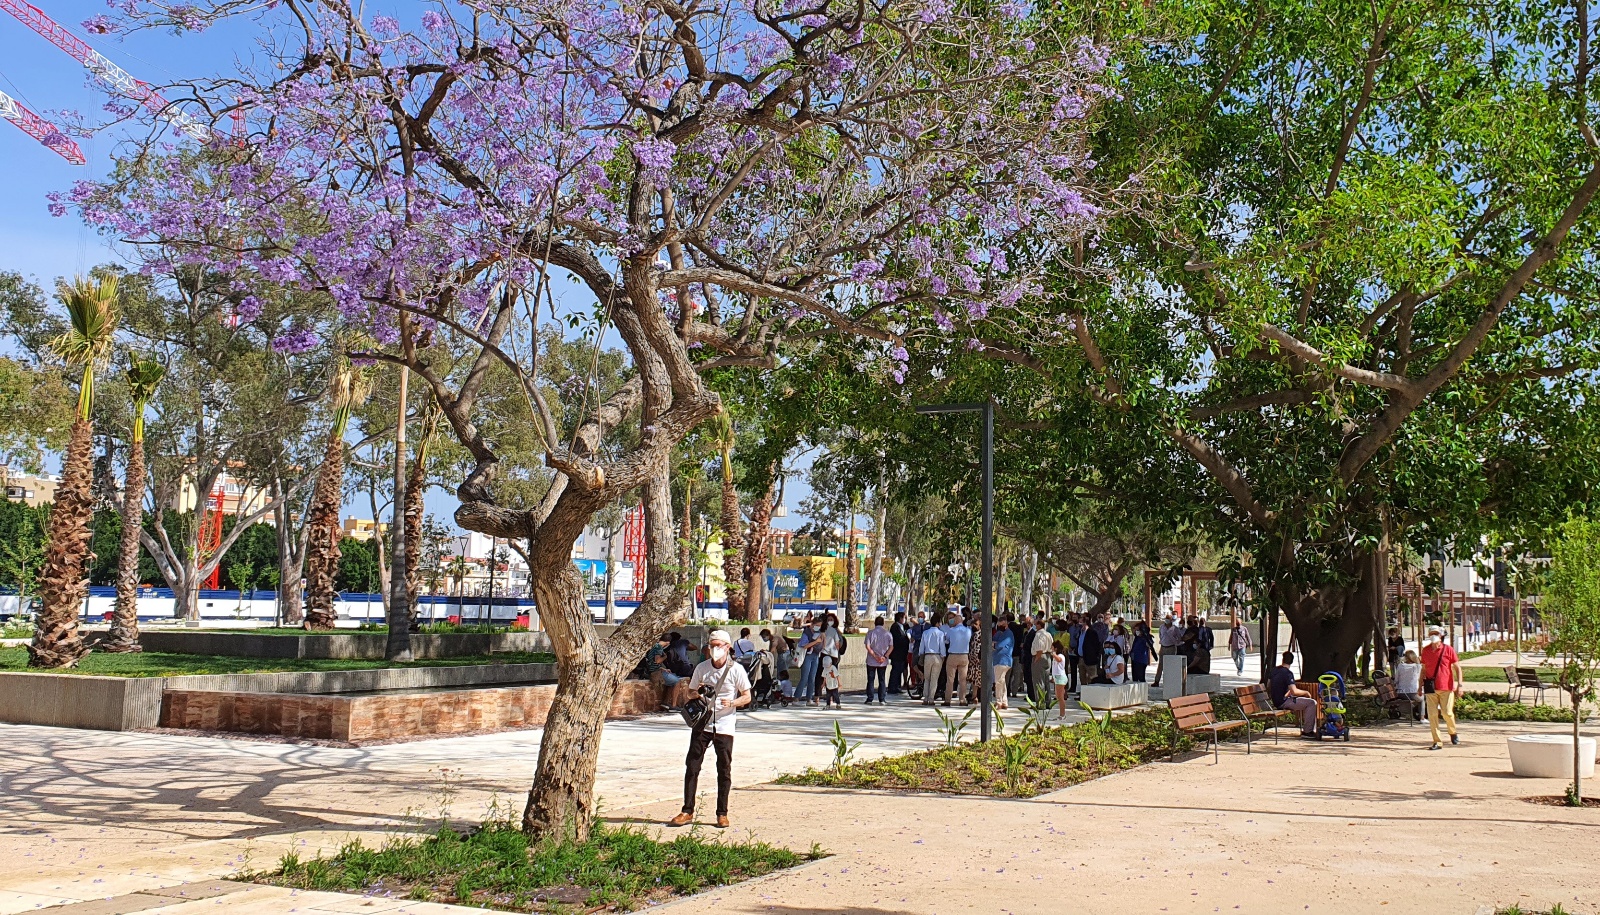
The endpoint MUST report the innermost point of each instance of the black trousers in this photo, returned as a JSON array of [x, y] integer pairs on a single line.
[[897, 672], [1027, 675], [691, 768], [1072, 673]]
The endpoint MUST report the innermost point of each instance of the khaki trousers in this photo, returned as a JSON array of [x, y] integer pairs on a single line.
[[930, 676], [1443, 703], [955, 678]]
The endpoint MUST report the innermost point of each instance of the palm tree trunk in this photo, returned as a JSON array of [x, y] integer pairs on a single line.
[[732, 541], [756, 545], [63, 582], [125, 620], [322, 551]]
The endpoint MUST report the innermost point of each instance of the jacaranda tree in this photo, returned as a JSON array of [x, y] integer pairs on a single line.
[[709, 182]]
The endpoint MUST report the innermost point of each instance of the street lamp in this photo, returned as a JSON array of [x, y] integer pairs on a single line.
[[986, 591]]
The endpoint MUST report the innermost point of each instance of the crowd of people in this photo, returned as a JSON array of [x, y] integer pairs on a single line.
[[937, 658]]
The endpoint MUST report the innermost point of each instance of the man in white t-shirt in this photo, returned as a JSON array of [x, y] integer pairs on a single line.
[[731, 684]]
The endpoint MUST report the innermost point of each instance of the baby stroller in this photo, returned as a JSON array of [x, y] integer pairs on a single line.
[[763, 679], [1330, 687]]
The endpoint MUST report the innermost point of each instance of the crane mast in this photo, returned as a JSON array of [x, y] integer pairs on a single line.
[[40, 129], [109, 74]]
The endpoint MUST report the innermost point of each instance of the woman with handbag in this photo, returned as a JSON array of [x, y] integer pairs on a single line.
[[722, 687]]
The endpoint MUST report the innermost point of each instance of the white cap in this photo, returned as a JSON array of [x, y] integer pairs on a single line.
[[719, 635]]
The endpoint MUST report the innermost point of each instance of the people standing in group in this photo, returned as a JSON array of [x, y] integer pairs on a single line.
[[1075, 627], [1058, 677], [1090, 649], [655, 667], [1239, 644], [1198, 642], [1289, 696], [914, 677], [1039, 662], [899, 654], [1441, 685], [811, 663], [973, 690], [1171, 635], [731, 685], [778, 644], [1408, 681], [879, 645], [1143, 650], [1017, 683], [832, 650], [1396, 649], [1004, 647], [958, 643], [932, 648]]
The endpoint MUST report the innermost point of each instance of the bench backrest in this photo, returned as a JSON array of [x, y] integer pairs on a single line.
[[1511, 675], [1192, 711], [1386, 691], [1527, 676], [1253, 699]]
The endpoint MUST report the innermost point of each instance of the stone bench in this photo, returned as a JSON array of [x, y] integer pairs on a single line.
[[1549, 755], [1104, 696]]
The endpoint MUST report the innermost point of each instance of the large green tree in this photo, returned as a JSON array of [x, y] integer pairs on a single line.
[[1364, 312]]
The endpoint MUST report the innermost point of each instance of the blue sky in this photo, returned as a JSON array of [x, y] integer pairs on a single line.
[[47, 80]]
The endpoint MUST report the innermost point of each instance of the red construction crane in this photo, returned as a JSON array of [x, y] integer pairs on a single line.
[[210, 539], [40, 129], [109, 74]]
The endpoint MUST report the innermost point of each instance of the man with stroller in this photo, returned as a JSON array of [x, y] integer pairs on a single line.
[[1287, 695]]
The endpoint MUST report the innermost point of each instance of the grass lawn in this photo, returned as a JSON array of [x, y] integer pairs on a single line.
[[164, 664], [494, 866]]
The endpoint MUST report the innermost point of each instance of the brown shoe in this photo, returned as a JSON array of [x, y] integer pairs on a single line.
[[682, 819], [722, 822]]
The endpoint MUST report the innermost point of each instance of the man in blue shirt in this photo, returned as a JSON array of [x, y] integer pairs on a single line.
[[1003, 647], [932, 647], [958, 641], [1285, 694]]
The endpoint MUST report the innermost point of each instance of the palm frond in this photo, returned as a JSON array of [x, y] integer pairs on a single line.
[[92, 309]]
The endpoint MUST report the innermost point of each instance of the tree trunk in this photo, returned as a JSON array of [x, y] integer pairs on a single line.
[[185, 595], [124, 635], [850, 621], [291, 560], [397, 647], [875, 583], [1331, 623], [733, 570], [1028, 566], [63, 582], [756, 546], [322, 550], [686, 541], [416, 488]]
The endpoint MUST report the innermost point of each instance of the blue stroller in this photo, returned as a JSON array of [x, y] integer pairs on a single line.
[[1331, 696]]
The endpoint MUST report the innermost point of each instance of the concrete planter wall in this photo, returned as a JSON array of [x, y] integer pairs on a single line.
[[352, 646], [127, 703]]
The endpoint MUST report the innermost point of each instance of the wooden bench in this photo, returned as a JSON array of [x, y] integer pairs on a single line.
[[1511, 681], [1257, 706], [1196, 715], [1391, 698], [1528, 678]]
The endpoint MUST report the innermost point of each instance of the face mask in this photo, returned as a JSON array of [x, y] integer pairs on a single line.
[[719, 653]]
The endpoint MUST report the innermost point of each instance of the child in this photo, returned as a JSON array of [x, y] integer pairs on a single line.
[[830, 683], [785, 688], [1058, 676]]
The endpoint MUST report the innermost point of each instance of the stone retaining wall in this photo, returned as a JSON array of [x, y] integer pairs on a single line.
[[353, 646], [379, 717]]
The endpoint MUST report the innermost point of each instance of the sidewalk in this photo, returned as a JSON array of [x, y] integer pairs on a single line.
[[1326, 827]]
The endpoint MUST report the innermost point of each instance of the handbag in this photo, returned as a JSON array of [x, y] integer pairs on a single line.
[[1427, 682], [701, 710]]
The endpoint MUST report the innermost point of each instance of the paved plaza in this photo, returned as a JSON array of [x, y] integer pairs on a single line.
[[126, 822]]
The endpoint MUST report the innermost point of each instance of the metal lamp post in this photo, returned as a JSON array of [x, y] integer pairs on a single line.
[[986, 590]]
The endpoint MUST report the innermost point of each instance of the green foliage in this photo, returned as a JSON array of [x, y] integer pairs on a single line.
[[358, 566], [496, 866], [35, 413], [843, 749], [168, 664], [1571, 607], [22, 544], [1030, 765], [951, 728]]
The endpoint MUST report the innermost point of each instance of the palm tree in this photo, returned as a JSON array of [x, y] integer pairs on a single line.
[[346, 389], [63, 584], [732, 523], [143, 376]]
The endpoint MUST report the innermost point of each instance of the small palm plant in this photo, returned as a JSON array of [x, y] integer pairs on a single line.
[[143, 377], [1099, 729], [92, 310]]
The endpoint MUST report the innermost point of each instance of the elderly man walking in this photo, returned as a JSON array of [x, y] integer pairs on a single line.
[[933, 650]]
